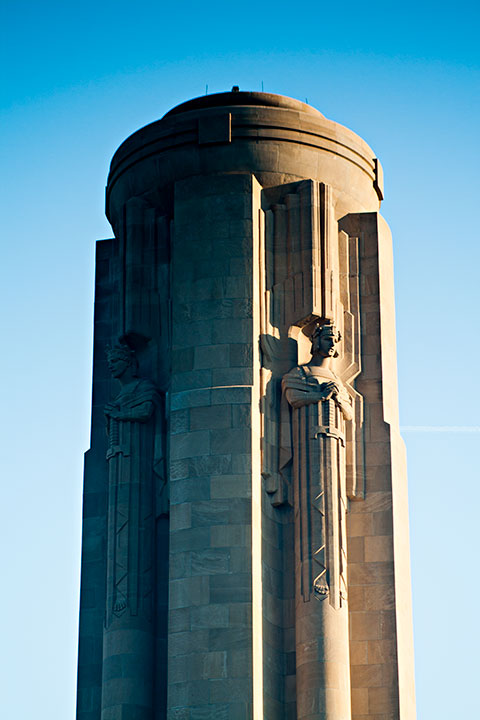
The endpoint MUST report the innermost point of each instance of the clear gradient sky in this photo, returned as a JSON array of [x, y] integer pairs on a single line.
[[77, 79]]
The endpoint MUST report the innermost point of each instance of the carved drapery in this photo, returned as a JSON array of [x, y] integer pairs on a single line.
[[319, 472], [135, 478], [137, 492]]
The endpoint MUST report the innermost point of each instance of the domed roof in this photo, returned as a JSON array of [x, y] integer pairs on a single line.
[[236, 97]]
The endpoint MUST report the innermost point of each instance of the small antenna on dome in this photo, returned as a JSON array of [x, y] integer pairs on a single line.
[[262, 85], [206, 89]]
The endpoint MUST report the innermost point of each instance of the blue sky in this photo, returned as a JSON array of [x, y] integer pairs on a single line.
[[77, 79]]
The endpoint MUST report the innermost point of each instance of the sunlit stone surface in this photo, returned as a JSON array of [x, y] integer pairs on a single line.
[[245, 543]]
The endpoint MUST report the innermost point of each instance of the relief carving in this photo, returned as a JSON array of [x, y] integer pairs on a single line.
[[136, 485], [320, 408], [310, 270], [278, 355]]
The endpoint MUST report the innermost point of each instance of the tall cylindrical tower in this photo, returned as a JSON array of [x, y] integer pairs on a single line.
[[245, 547]]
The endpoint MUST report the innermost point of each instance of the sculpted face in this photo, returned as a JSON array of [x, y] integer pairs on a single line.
[[323, 343], [117, 364], [326, 344]]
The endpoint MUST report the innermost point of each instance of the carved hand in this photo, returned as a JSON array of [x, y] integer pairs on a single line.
[[333, 390], [329, 389], [117, 415], [111, 410]]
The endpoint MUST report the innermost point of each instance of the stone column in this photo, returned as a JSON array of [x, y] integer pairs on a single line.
[[211, 445]]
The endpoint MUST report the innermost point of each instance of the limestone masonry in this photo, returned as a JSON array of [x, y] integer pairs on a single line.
[[245, 526]]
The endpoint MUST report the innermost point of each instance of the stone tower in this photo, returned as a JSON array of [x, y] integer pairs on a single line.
[[245, 532]]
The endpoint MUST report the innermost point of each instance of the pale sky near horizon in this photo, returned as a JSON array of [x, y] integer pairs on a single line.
[[78, 79]]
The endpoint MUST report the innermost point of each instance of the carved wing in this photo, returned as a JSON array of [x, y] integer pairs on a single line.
[[279, 355]]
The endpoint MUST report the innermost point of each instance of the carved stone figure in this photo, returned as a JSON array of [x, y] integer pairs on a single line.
[[131, 459], [135, 478], [320, 408]]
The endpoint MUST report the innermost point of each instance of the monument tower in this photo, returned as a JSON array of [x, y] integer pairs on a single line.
[[245, 526]]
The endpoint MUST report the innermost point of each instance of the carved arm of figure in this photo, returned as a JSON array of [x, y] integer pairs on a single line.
[[305, 394], [138, 413], [298, 397]]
